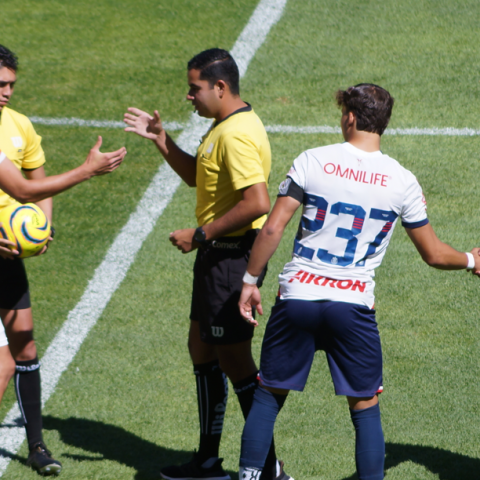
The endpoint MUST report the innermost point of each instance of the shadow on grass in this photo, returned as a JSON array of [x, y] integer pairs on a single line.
[[116, 444], [447, 465]]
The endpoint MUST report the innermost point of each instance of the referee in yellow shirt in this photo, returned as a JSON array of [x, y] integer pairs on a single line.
[[230, 172]]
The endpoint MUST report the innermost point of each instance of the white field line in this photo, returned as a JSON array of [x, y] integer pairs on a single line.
[[109, 275], [79, 122], [174, 126]]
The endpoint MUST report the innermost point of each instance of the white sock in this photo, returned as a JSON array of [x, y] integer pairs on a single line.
[[278, 468], [249, 473]]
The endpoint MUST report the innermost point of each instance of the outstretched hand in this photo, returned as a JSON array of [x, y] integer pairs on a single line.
[[99, 163], [250, 298], [143, 124]]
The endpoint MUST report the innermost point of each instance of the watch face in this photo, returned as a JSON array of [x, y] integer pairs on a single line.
[[199, 235]]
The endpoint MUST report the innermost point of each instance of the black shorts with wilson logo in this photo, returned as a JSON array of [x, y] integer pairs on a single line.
[[217, 283], [14, 293]]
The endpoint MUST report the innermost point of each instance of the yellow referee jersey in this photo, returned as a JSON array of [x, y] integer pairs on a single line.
[[234, 154], [20, 143]]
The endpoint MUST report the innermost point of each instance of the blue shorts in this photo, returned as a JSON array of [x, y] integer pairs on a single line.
[[347, 333]]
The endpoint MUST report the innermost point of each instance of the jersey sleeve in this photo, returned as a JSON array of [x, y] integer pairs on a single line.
[[298, 172], [414, 210], [34, 157], [242, 160]]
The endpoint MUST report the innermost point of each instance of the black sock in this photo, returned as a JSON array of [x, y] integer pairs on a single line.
[[27, 388], [212, 394], [245, 390]]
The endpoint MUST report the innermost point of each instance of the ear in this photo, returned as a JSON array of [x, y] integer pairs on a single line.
[[221, 87], [352, 119]]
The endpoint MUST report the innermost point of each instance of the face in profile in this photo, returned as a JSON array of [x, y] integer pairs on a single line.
[[205, 98], [7, 83]]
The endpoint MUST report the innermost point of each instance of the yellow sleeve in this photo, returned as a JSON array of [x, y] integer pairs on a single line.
[[242, 160], [34, 156]]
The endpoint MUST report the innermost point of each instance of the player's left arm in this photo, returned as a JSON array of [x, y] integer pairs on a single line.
[[255, 202], [438, 254], [264, 247], [47, 204]]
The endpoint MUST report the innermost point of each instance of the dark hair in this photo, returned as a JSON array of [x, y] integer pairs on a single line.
[[371, 104], [217, 64], [8, 59]]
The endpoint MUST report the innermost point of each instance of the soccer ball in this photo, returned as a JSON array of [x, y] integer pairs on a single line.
[[26, 226]]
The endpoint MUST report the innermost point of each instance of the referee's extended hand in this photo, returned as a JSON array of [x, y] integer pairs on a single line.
[[143, 124], [250, 298]]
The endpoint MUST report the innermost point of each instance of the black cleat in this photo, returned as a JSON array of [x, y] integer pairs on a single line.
[[40, 459], [283, 475], [193, 470]]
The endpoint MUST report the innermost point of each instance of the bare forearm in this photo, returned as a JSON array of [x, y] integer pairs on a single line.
[[184, 164], [263, 249], [241, 215], [446, 258], [434, 252], [36, 190]]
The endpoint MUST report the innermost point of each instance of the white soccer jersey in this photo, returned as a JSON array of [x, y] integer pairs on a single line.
[[351, 202]]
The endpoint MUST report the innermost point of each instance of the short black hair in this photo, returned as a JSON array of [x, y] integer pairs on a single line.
[[217, 64], [371, 104], [8, 59]]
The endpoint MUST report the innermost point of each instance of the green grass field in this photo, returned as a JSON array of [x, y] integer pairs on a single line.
[[126, 406]]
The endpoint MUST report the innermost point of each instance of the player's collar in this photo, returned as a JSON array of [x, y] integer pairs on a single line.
[[358, 151]]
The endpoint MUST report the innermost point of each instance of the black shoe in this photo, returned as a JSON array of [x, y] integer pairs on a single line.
[[208, 470], [283, 475], [40, 459]]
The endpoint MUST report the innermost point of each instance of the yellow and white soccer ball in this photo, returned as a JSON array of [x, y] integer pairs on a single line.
[[26, 226]]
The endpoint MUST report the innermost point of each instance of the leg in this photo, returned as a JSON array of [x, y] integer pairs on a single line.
[[7, 368], [19, 330], [369, 441], [212, 393], [355, 358], [258, 431], [287, 355], [237, 362]]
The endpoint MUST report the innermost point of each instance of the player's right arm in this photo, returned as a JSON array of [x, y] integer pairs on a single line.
[[263, 249], [97, 163], [150, 127], [438, 254]]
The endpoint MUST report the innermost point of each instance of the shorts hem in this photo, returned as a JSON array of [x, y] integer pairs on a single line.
[[345, 393], [281, 385]]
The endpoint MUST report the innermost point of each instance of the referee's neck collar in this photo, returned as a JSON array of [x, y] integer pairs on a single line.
[[248, 108]]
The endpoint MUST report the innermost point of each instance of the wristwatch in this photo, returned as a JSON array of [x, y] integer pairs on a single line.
[[200, 237]]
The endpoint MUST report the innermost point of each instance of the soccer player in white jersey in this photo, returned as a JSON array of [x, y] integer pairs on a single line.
[[352, 196]]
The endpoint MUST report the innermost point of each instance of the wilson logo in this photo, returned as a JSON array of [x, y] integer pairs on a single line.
[[306, 277], [217, 331]]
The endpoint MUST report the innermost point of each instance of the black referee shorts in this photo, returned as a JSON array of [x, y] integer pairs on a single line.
[[14, 293], [217, 284]]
